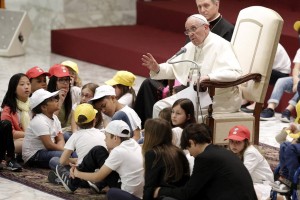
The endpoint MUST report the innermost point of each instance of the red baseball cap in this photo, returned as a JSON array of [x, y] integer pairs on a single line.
[[59, 71], [35, 72], [238, 133]]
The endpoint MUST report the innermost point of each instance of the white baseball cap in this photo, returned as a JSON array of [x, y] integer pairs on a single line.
[[39, 96], [116, 127], [102, 91]]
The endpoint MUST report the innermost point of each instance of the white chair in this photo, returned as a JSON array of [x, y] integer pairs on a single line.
[[255, 39]]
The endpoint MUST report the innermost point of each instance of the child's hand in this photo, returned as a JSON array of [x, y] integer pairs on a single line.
[[72, 170]]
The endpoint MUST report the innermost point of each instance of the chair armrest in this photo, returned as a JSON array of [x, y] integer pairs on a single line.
[[218, 84]]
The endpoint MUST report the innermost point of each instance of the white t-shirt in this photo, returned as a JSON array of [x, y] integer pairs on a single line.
[[134, 119], [38, 126], [127, 160], [282, 61], [297, 57], [177, 132], [84, 140], [126, 99], [259, 170]]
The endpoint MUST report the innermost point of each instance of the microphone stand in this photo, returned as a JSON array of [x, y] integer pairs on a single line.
[[198, 107]]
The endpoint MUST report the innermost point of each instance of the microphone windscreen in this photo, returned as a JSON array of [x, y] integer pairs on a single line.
[[297, 26]]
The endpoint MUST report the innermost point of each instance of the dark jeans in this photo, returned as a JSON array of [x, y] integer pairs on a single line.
[[149, 93], [42, 158], [7, 146], [116, 193], [289, 159], [275, 75]]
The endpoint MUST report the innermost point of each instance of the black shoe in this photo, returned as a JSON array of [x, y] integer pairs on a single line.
[[14, 166], [65, 179], [245, 105], [53, 178], [246, 110], [286, 116], [267, 114], [97, 187]]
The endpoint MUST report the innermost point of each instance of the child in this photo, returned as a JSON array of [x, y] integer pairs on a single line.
[[125, 158], [15, 107], [87, 93], [105, 101], [43, 139], [74, 72], [84, 139], [256, 164], [37, 78], [7, 148], [165, 164], [166, 114], [123, 82], [182, 114], [68, 96]]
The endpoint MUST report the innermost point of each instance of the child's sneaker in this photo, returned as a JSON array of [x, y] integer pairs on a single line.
[[65, 179], [267, 114], [285, 116], [14, 166], [53, 178]]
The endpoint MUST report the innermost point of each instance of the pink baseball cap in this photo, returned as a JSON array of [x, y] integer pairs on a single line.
[[238, 133]]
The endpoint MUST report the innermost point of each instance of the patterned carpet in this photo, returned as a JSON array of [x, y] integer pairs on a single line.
[[38, 178]]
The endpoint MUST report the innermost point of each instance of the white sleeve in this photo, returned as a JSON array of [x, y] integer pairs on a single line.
[[297, 57], [251, 160], [114, 160]]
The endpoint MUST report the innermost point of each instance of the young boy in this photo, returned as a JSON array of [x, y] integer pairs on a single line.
[[83, 141], [125, 158], [37, 78], [105, 101]]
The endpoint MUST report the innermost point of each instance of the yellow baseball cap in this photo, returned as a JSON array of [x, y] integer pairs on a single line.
[[86, 110], [122, 77], [297, 26], [71, 64]]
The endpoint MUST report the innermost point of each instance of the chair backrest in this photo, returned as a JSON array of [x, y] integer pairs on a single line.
[[255, 39]]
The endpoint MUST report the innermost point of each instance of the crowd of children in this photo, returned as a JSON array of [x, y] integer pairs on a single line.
[[91, 136]]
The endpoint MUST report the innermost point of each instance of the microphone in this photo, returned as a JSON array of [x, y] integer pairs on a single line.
[[181, 51]]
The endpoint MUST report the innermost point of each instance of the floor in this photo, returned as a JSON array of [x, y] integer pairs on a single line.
[[38, 53]]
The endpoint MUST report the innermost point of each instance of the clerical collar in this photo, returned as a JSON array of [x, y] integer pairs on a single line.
[[214, 22]]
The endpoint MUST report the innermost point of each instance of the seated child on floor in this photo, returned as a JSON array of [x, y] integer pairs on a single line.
[[257, 165], [83, 141], [43, 139], [125, 158]]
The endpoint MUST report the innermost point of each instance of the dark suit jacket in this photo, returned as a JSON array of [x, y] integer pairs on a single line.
[[218, 174]]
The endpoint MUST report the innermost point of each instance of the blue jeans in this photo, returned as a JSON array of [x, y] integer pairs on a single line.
[[289, 159], [283, 85], [42, 157], [55, 161]]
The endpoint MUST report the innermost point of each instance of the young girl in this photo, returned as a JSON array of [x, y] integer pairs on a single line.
[[43, 139], [87, 93], [68, 96], [164, 163], [256, 164], [123, 82], [15, 107], [182, 114], [74, 72]]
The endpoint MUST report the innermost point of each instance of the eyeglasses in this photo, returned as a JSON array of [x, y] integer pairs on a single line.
[[65, 80], [192, 29]]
